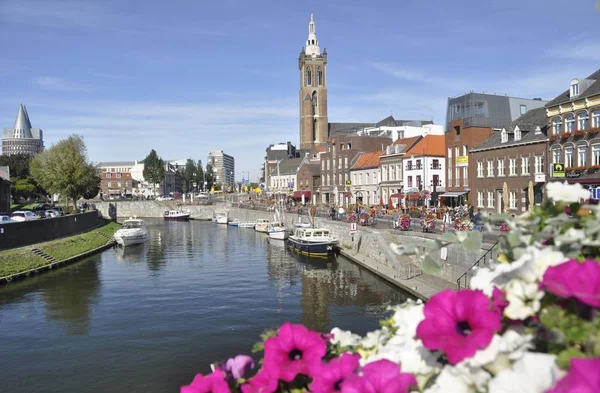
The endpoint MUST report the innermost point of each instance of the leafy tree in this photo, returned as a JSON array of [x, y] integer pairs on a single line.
[[64, 169], [217, 187], [262, 173], [189, 175], [22, 188], [154, 169], [22, 184], [93, 188], [209, 176], [199, 176], [18, 164]]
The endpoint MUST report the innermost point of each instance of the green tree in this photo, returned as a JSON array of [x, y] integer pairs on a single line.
[[93, 187], [189, 175], [64, 169], [18, 164], [217, 186], [23, 186], [262, 173], [154, 169], [199, 176], [209, 176]]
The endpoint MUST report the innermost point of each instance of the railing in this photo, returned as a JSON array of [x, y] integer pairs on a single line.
[[485, 258], [409, 167], [418, 166], [434, 166]]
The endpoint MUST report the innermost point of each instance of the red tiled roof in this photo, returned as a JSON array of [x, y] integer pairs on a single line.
[[409, 142], [430, 145], [320, 149], [368, 160]]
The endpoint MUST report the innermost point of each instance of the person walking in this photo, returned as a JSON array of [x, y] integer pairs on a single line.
[[478, 221], [445, 219], [395, 217]]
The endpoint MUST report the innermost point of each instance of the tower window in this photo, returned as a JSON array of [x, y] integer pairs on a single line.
[[320, 77], [308, 77]]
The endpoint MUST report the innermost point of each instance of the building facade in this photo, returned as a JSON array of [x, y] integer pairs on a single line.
[[515, 156], [22, 138], [126, 178], [312, 64], [365, 179], [400, 129], [223, 167], [4, 191], [283, 178], [424, 170], [274, 154], [309, 178], [573, 121], [391, 178], [336, 162]]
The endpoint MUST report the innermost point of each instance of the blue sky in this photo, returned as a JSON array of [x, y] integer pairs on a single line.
[[185, 77]]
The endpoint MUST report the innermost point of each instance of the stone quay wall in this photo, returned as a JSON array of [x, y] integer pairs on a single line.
[[368, 246]]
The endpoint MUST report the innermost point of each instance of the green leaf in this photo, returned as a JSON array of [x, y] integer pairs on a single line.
[[430, 266], [449, 237], [258, 347], [473, 241], [564, 358]]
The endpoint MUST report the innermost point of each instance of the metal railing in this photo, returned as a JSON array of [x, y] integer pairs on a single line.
[[485, 258]]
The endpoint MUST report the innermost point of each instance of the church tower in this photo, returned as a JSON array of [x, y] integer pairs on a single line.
[[313, 91]]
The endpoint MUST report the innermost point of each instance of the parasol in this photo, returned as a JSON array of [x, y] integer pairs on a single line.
[[505, 196]]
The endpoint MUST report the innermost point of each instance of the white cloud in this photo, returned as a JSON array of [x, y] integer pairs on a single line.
[[431, 78], [578, 48], [57, 84]]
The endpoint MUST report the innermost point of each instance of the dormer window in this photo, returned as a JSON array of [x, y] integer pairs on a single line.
[[574, 88], [504, 136], [517, 134]]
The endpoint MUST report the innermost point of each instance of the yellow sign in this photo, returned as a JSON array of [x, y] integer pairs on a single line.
[[462, 161], [558, 170], [212, 189], [348, 183], [257, 190]]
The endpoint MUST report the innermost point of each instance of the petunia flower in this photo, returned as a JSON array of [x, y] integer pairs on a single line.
[[328, 377], [583, 377], [524, 300], [499, 301], [533, 373], [458, 323], [265, 381], [382, 376], [565, 192], [575, 279], [239, 366], [212, 383], [294, 351], [344, 338]]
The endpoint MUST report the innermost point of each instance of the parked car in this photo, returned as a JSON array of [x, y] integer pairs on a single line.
[[24, 216], [43, 206], [6, 220], [52, 213], [165, 198]]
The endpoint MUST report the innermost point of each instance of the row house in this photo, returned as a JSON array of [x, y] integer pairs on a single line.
[[309, 176], [116, 184], [115, 171], [282, 179], [365, 178], [515, 157], [336, 162], [274, 154], [424, 167], [392, 177], [573, 119]]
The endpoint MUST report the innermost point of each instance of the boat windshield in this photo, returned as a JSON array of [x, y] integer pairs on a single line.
[[132, 224]]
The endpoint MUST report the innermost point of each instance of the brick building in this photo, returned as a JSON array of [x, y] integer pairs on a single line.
[[573, 120], [391, 181], [309, 176], [515, 155], [342, 151], [116, 184]]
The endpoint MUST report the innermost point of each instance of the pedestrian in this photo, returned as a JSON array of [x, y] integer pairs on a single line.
[[478, 221], [395, 217], [445, 219]]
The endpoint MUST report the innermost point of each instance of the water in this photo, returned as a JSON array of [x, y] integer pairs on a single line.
[[147, 319]]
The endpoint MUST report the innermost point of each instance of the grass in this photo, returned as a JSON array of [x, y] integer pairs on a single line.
[[21, 206], [23, 259]]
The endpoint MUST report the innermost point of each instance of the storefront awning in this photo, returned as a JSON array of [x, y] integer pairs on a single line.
[[298, 194], [452, 194]]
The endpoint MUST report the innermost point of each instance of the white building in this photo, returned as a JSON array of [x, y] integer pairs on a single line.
[[401, 129], [284, 177], [224, 168], [365, 179], [424, 165]]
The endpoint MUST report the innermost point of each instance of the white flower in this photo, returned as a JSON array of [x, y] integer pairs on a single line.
[[483, 280], [344, 337], [523, 300], [375, 339], [460, 379], [409, 353], [511, 346], [565, 192], [407, 317], [570, 236], [534, 373], [546, 258]]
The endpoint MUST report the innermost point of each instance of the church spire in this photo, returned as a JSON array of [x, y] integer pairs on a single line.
[[22, 127], [312, 43]]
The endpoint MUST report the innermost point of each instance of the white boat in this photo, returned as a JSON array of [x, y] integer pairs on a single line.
[[277, 231], [234, 223], [316, 242], [301, 224], [246, 224], [133, 231], [221, 217], [261, 225], [176, 215]]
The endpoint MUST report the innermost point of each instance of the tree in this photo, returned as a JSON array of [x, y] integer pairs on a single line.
[[199, 178], [18, 164], [93, 187], [189, 175], [64, 169], [22, 184], [262, 173], [209, 176], [217, 187], [154, 169]]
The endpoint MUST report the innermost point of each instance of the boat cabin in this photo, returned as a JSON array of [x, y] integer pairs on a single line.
[[132, 223], [312, 233]]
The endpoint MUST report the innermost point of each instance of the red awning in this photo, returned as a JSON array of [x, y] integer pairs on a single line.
[[414, 197], [298, 194], [399, 196]]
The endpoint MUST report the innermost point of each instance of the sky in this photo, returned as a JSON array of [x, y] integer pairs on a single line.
[[186, 77]]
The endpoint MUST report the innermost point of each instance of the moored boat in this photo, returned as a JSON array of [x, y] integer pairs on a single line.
[[234, 223], [261, 225], [278, 231], [176, 215], [246, 224], [133, 231], [221, 217], [316, 242]]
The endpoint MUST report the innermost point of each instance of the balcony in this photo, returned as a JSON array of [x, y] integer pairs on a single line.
[[438, 183], [409, 167], [418, 166], [435, 166]]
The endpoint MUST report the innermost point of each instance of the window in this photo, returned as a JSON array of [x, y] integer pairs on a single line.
[[436, 180], [346, 161], [307, 77], [595, 154], [568, 157], [479, 198], [480, 169], [490, 199], [574, 88], [457, 179], [523, 109], [409, 166], [517, 134], [581, 155], [319, 77], [556, 125], [354, 179], [384, 173], [360, 179], [322, 165], [108, 175], [539, 164], [418, 164], [490, 168], [512, 166], [512, 200], [501, 168], [503, 136], [367, 178], [449, 177], [435, 164], [457, 151], [582, 121], [410, 181], [419, 181], [465, 150], [118, 175], [524, 165], [450, 149], [556, 155], [596, 119], [569, 123], [109, 184]]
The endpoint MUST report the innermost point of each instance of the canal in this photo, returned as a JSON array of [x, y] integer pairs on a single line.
[[148, 318]]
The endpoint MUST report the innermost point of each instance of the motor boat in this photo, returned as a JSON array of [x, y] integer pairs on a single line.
[[221, 217], [261, 225], [316, 242], [133, 231], [176, 215], [246, 224], [301, 224], [277, 231], [234, 223]]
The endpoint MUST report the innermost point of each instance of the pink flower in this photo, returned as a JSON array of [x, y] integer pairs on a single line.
[[329, 377], [212, 383], [499, 301], [382, 376], [575, 279], [263, 382], [458, 323], [239, 365], [294, 351], [583, 377]]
